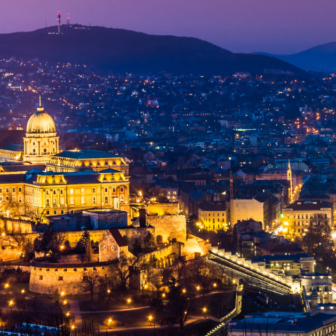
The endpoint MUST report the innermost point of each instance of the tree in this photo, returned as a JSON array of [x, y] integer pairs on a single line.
[[179, 306], [136, 246], [81, 244], [90, 283], [10, 208], [149, 241], [106, 285], [124, 269]]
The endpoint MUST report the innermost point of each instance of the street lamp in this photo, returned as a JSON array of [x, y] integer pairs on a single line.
[[22, 291], [65, 302], [198, 288], [215, 285], [204, 311], [129, 302], [163, 295], [11, 303], [6, 285], [150, 318], [183, 290], [62, 293]]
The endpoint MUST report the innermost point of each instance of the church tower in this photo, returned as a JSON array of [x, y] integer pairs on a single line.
[[41, 141], [290, 179]]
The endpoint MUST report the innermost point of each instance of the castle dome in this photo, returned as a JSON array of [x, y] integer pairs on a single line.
[[41, 122]]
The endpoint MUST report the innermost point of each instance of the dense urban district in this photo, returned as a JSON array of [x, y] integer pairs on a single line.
[[135, 204]]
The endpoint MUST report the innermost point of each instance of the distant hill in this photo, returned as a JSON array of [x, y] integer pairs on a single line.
[[320, 58], [122, 51]]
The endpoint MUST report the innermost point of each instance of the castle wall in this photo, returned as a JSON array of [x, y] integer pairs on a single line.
[[15, 226], [137, 233], [169, 227], [45, 279], [162, 209]]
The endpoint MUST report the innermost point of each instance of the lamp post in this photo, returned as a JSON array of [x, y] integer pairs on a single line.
[[129, 303], [150, 318]]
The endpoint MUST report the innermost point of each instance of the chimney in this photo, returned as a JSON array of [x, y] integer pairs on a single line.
[[142, 217]]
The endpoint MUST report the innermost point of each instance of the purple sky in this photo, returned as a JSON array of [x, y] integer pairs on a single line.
[[275, 26]]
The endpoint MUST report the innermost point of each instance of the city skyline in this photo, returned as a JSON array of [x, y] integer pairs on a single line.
[[241, 26]]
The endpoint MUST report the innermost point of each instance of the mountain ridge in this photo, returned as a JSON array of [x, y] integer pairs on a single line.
[[320, 58], [120, 50]]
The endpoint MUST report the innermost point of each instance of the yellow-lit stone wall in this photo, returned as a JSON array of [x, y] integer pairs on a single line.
[[47, 278], [169, 227], [162, 209]]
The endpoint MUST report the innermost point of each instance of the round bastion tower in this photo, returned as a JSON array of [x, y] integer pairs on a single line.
[[41, 141]]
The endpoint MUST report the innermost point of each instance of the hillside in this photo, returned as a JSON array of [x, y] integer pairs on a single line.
[[320, 58], [120, 50]]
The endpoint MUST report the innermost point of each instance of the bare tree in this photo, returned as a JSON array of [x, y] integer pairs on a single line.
[[90, 283], [124, 268]]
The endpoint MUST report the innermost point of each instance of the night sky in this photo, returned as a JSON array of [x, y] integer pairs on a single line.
[[275, 26]]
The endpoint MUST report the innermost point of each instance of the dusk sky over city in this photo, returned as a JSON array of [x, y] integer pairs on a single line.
[[167, 167], [285, 26]]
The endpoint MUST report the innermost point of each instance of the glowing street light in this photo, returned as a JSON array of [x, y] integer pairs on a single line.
[[22, 291], [11, 303], [198, 288], [183, 290], [65, 302], [129, 302], [215, 285], [163, 295], [6, 285], [62, 293]]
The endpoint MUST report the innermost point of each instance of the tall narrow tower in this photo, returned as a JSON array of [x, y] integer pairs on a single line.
[[290, 179], [68, 21], [59, 22]]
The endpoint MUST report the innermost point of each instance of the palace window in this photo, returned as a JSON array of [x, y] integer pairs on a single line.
[[47, 201], [113, 189], [94, 199], [71, 191], [20, 199], [62, 200], [121, 189], [94, 190], [83, 200], [62, 212], [54, 192], [106, 190], [55, 212], [0, 198], [47, 192], [72, 200], [106, 199], [83, 191], [41, 277], [62, 191], [13, 189], [20, 189], [48, 212], [121, 198], [54, 201], [7, 189], [60, 278]]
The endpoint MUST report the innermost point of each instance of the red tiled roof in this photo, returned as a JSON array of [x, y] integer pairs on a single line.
[[118, 238]]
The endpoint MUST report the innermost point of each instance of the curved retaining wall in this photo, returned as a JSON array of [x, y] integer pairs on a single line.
[[46, 277]]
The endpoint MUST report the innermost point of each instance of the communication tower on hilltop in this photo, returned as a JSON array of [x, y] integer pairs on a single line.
[[68, 21], [59, 22]]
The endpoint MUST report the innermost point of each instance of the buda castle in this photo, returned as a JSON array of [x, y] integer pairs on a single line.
[[37, 179]]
